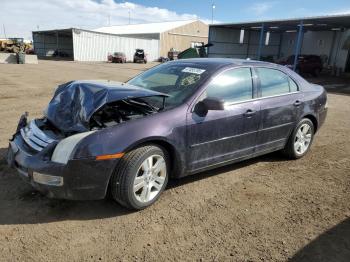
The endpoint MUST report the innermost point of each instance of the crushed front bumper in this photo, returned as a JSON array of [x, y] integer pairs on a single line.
[[82, 179]]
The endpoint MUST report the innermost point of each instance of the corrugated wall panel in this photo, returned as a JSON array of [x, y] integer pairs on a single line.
[[314, 43], [226, 43], [280, 45], [340, 58], [93, 46]]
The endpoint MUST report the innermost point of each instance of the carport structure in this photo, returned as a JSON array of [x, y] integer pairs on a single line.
[[86, 45], [326, 36], [46, 42]]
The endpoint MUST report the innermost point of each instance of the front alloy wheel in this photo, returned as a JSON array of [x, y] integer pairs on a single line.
[[140, 177], [150, 178]]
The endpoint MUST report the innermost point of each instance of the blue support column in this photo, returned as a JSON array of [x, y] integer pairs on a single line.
[[298, 44], [261, 40], [209, 39]]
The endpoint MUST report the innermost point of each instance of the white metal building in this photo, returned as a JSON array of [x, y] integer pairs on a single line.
[[327, 36], [178, 35], [84, 45]]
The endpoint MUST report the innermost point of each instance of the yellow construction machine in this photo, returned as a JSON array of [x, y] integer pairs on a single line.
[[14, 45]]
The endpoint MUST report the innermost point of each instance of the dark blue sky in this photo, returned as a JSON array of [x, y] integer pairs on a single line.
[[243, 10]]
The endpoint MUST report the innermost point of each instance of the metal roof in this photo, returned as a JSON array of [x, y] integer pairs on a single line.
[[150, 28], [68, 31], [63, 31], [317, 23]]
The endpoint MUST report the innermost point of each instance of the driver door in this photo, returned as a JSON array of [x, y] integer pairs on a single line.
[[224, 135]]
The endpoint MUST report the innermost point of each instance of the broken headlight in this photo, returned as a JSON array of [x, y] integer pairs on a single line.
[[65, 147]]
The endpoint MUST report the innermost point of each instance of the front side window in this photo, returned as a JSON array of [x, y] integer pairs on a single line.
[[232, 86], [274, 82]]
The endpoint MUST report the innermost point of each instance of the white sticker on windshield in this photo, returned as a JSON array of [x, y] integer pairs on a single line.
[[192, 70]]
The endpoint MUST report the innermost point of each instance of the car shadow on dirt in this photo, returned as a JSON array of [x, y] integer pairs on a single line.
[[331, 246], [21, 204], [272, 157]]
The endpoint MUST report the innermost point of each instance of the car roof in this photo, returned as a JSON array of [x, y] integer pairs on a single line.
[[221, 61]]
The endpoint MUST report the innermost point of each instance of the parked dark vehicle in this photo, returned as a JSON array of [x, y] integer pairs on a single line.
[[117, 57], [58, 53], [307, 64], [176, 119], [140, 56]]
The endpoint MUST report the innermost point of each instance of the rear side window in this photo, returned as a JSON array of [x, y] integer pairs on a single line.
[[274, 82], [292, 85], [232, 85]]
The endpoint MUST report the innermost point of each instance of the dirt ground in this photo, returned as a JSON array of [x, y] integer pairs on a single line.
[[265, 209]]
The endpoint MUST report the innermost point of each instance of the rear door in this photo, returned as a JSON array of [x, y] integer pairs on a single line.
[[225, 134], [281, 104]]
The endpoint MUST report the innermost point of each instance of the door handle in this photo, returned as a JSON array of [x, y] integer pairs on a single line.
[[297, 103], [249, 113]]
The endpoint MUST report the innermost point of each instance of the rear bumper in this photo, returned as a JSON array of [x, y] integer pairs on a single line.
[[117, 59], [322, 117], [83, 179], [137, 59]]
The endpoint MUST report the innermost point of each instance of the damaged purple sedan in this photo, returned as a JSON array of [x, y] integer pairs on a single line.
[[176, 119]]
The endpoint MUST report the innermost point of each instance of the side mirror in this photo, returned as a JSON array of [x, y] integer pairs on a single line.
[[209, 103]]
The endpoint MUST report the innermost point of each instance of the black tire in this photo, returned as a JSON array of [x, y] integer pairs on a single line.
[[289, 149], [122, 181]]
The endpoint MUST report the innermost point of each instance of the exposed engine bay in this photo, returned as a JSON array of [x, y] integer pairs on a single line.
[[39, 133], [81, 106], [119, 112]]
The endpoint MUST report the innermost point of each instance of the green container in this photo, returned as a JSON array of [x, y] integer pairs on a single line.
[[21, 58], [188, 53]]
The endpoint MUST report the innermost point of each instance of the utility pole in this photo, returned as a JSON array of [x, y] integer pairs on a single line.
[[3, 26], [212, 13]]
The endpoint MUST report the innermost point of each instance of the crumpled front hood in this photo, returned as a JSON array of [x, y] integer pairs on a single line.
[[75, 102]]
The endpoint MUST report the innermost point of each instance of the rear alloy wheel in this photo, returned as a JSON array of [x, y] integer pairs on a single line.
[[300, 140], [140, 177]]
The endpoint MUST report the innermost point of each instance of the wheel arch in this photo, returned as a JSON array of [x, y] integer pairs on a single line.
[[314, 121], [176, 162]]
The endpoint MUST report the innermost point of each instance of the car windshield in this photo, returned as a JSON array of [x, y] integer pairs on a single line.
[[179, 81]]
